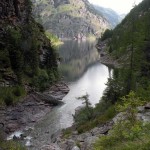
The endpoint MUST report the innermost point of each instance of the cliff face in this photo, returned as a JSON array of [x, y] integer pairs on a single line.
[[69, 18], [23, 43]]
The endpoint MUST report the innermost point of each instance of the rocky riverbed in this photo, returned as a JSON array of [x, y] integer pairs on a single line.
[[31, 109]]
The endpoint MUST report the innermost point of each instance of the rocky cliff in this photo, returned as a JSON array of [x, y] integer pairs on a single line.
[[69, 18]]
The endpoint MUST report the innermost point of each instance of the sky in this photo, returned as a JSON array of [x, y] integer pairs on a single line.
[[120, 6]]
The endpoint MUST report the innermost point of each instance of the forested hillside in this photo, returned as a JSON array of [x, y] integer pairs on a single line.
[[129, 44], [26, 55], [70, 18]]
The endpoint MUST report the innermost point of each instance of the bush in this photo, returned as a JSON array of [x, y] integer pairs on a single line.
[[107, 34], [9, 99], [86, 113], [90, 117], [18, 91], [11, 145], [127, 132], [41, 81], [11, 95]]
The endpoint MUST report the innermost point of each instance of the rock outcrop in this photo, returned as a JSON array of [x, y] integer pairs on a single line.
[[82, 141]]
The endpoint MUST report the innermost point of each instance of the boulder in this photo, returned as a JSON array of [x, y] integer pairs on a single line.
[[147, 106]]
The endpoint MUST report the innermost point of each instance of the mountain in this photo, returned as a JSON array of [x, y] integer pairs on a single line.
[[69, 18], [113, 17]]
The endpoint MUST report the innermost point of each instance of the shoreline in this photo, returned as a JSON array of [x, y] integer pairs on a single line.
[[32, 109]]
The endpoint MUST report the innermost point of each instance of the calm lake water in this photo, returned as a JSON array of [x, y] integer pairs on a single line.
[[85, 74]]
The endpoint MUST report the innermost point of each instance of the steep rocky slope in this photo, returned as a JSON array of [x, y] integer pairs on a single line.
[[23, 44], [69, 18]]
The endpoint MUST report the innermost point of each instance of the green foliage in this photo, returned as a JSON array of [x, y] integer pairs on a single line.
[[130, 45], [86, 113], [4, 58], [89, 117], [55, 41], [9, 99], [40, 82], [107, 34], [100, 116], [11, 145], [127, 129], [67, 132], [15, 52], [11, 95], [22, 47], [65, 8]]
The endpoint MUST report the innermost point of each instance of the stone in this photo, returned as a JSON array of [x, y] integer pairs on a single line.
[[50, 147], [15, 137], [63, 146], [83, 136], [140, 109], [87, 145], [118, 117], [1, 125], [75, 148], [95, 131], [147, 106]]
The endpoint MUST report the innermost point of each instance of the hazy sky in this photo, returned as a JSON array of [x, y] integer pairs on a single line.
[[121, 6]]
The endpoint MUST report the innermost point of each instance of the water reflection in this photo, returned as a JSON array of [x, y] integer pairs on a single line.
[[77, 57]]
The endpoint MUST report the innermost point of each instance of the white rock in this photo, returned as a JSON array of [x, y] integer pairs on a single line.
[[75, 148]]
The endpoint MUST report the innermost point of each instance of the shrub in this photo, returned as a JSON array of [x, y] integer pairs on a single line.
[[11, 145], [11, 95], [86, 113], [41, 81], [9, 99], [107, 34], [128, 131], [18, 91]]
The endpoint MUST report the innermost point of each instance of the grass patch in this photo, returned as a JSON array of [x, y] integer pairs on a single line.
[[97, 120], [67, 132], [11, 95], [11, 145]]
